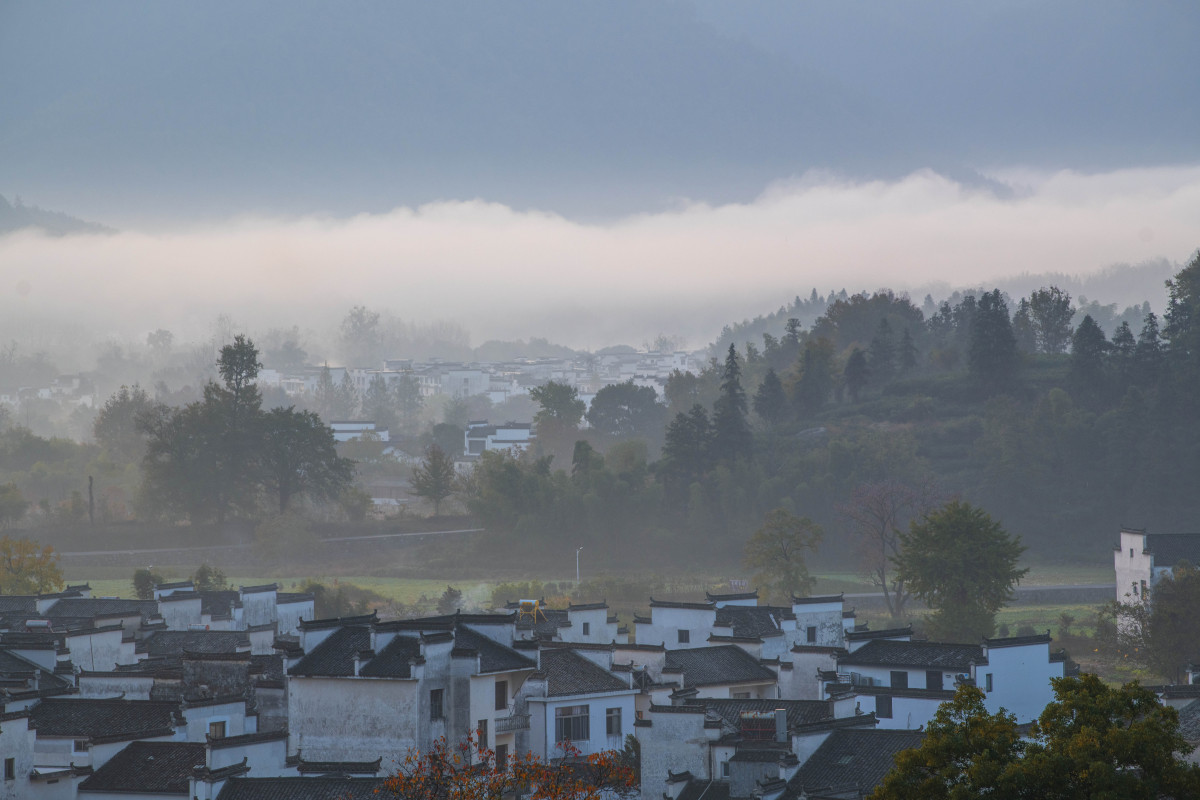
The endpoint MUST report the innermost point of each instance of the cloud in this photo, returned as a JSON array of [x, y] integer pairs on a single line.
[[506, 273]]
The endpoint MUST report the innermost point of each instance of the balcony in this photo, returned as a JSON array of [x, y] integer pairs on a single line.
[[516, 722]]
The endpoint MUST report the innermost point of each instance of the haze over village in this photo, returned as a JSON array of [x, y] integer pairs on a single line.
[[667, 399]]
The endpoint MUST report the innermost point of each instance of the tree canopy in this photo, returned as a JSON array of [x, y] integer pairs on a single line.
[[776, 553], [963, 564], [26, 568]]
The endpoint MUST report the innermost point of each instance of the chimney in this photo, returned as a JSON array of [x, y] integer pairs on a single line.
[[781, 732], [357, 663]]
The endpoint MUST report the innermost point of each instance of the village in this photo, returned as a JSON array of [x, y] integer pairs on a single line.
[[242, 693]]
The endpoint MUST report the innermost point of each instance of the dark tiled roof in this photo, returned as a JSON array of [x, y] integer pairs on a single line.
[[698, 788], [1171, 548], [144, 767], [1019, 641], [86, 607], [493, 656], [852, 759], [679, 604], [174, 643], [726, 597], [18, 604], [887, 652], [394, 660], [293, 597], [749, 621], [335, 655], [86, 717], [707, 666], [13, 664], [322, 788], [886, 633], [1189, 722], [567, 672], [271, 666], [828, 598], [799, 712], [219, 601]]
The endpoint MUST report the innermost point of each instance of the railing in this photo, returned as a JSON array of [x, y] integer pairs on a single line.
[[516, 722]]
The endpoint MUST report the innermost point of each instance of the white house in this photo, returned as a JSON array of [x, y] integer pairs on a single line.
[[1141, 560]]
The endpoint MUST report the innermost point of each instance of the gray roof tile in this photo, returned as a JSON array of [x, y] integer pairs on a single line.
[[148, 767], [888, 652], [851, 759], [708, 666], [88, 717], [315, 788], [568, 673]]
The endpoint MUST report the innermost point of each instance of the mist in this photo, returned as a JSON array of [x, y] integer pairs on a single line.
[[505, 273]]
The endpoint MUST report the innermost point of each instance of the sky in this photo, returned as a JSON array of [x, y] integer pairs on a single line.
[[589, 172]]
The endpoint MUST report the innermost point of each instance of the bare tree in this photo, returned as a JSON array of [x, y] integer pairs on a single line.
[[875, 516]]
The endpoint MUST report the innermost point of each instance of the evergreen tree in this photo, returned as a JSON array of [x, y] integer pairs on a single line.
[[770, 401], [1052, 311], [347, 398], [1122, 348], [816, 376], [1088, 347], [993, 357], [908, 352], [434, 478], [856, 373], [325, 394], [379, 403], [1023, 328], [685, 456], [732, 438], [881, 355], [1148, 355]]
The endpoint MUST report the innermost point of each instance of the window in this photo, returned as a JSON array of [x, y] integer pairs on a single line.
[[685, 637], [1134, 584], [933, 679], [741, 695], [811, 634], [899, 679], [724, 769], [216, 730], [587, 628], [501, 695], [612, 721], [435, 703], [571, 724], [501, 757], [10, 769], [483, 733], [81, 745], [987, 682], [883, 706], [1131, 552]]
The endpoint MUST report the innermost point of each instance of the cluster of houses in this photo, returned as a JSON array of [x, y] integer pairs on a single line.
[[242, 694]]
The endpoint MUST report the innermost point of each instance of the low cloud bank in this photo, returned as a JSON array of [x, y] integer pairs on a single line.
[[507, 274]]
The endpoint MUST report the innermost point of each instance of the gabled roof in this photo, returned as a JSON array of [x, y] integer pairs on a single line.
[[334, 657], [327, 787], [799, 712], [569, 673], [493, 656], [828, 598], [888, 652], [84, 718], [709, 666], [885, 633], [750, 621], [851, 759], [724, 598], [706, 606], [1171, 548], [86, 607], [148, 767], [174, 643], [395, 660], [219, 601], [12, 665], [18, 604], [1189, 722]]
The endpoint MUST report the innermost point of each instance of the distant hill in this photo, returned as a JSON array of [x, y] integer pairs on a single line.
[[17, 216]]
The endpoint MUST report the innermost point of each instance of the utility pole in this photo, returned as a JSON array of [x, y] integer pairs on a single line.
[[577, 552]]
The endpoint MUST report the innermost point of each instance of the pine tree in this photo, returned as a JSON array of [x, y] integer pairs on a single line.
[[908, 352], [732, 438], [856, 373], [881, 355], [1122, 348], [1088, 347], [993, 357], [1148, 355], [770, 401]]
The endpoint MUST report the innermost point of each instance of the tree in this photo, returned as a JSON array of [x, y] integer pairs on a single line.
[[434, 478], [450, 601], [379, 403], [471, 772], [626, 411], [1148, 354], [1051, 312], [1024, 329], [116, 425], [856, 374], [208, 579], [731, 435], [881, 355], [560, 405], [26, 568], [967, 754], [816, 376], [408, 401], [686, 451], [1122, 348], [907, 353], [776, 553], [361, 337], [325, 394], [144, 581], [876, 514], [963, 565], [992, 358], [299, 457], [1182, 330], [1091, 741], [1163, 626], [770, 401], [12, 505], [1088, 348]]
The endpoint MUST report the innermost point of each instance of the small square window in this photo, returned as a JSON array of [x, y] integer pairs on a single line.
[[612, 721], [811, 634], [883, 706], [80, 745], [899, 679], [685, 637], [501, 695], [216, 730]]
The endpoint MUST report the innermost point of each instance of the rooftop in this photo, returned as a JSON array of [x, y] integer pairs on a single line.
[[83, 718], [721, 664], [148, 767], [851, 759], [888, 652], [569, 673]]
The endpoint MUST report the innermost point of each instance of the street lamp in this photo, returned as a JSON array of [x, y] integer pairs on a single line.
[[577, 552]]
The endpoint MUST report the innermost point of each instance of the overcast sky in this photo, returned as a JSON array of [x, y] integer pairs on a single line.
[[591, 172]]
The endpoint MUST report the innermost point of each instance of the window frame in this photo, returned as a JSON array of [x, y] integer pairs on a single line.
[[501, 695], [883, 706], [684, 636], [611, 714], [898, 679], [810, 634], [437, 704], [570, 721]]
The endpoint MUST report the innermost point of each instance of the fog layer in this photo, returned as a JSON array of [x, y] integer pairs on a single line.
[[506, 273]]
